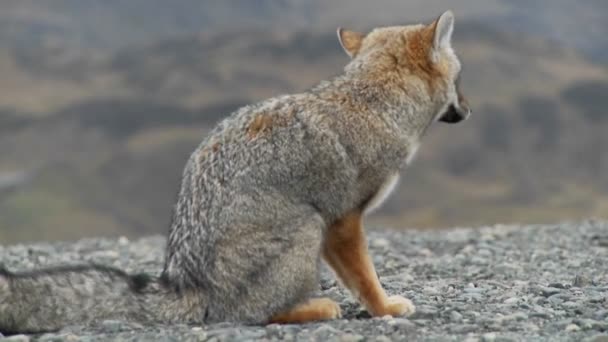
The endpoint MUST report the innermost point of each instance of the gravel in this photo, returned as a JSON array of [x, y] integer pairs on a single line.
[[500, 283]]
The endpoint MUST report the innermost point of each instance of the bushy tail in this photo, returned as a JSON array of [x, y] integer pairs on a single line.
[[49, 299]]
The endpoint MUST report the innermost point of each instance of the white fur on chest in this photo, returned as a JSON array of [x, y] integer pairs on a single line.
[[413, 150], [385, 190], [390, 183]]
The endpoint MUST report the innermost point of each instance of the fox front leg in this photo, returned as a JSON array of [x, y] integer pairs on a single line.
[[345, 250]]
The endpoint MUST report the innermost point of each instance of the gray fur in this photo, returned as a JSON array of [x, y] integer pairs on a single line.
[[254, 203]]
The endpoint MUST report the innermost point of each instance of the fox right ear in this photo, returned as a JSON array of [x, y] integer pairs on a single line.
[[350, 41], [443, 27]]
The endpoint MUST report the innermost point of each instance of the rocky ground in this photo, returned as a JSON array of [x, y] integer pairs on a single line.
[[502, 283]]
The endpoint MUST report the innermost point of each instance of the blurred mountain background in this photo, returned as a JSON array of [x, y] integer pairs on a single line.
[[101, 103]]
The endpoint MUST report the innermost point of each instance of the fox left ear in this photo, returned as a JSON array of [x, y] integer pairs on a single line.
[[350, 41], [444, 26]]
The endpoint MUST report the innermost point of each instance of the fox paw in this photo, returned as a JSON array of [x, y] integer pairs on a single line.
[[328, 309], [317, 309], [399, 306]]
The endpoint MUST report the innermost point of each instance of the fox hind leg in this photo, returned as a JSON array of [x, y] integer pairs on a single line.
[[271, 270]]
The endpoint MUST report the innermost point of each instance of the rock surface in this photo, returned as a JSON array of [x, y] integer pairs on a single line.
[[501, 283]]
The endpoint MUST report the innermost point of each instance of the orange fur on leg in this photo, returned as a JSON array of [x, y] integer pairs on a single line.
[[345, 250], [316, 309]]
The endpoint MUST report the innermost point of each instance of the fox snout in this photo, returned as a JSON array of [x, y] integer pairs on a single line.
[[458, 111]]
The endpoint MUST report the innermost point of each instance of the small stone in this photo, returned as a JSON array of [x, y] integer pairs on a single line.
[[589, 324], [431, 291], [479, 260], [17, 338], [351, 338], [456, 316], [531, 327], [512, 300], [468, 249], [248, 335], [379, 243], [484, 253], [489, 337], [464, 329], [598, 338], [327, 283], [581, 281], [425, 252], [572, 327], [325, 331], [103, 255], [49, 337], [555, 300], [601, 314], [518, 316], [474, 290], [402, 323], [382, 338], [401, 278], [123, 241], [112, 325], [474, 297], [471, 339], [549, 291], [425, 312], [571, 305]]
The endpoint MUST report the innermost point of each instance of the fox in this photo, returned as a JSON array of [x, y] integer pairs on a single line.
[[274, 190]]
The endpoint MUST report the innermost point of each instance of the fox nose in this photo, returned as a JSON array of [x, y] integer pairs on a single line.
[[456, 113]]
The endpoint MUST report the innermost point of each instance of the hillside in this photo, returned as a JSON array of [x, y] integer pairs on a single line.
[[103, 25], [97, 141]]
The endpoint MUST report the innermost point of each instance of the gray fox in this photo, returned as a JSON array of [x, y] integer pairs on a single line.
[[274, 189]]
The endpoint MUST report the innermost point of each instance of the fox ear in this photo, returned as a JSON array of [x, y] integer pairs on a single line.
[[350, 41], [443, 27]]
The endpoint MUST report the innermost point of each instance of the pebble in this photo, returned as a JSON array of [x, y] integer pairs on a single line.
[[351, 338], [518, 316], [379, 243], [426, 311], [112, 325], [464, 328], [325, 331], [123, 241], [598, 338], [549, 291], [601, 314], [456, 316], [16, 338], [59, 338], [581, 281], [401, 323], [572, 327]]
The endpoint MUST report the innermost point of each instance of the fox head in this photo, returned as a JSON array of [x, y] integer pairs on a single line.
[[416, 57]]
